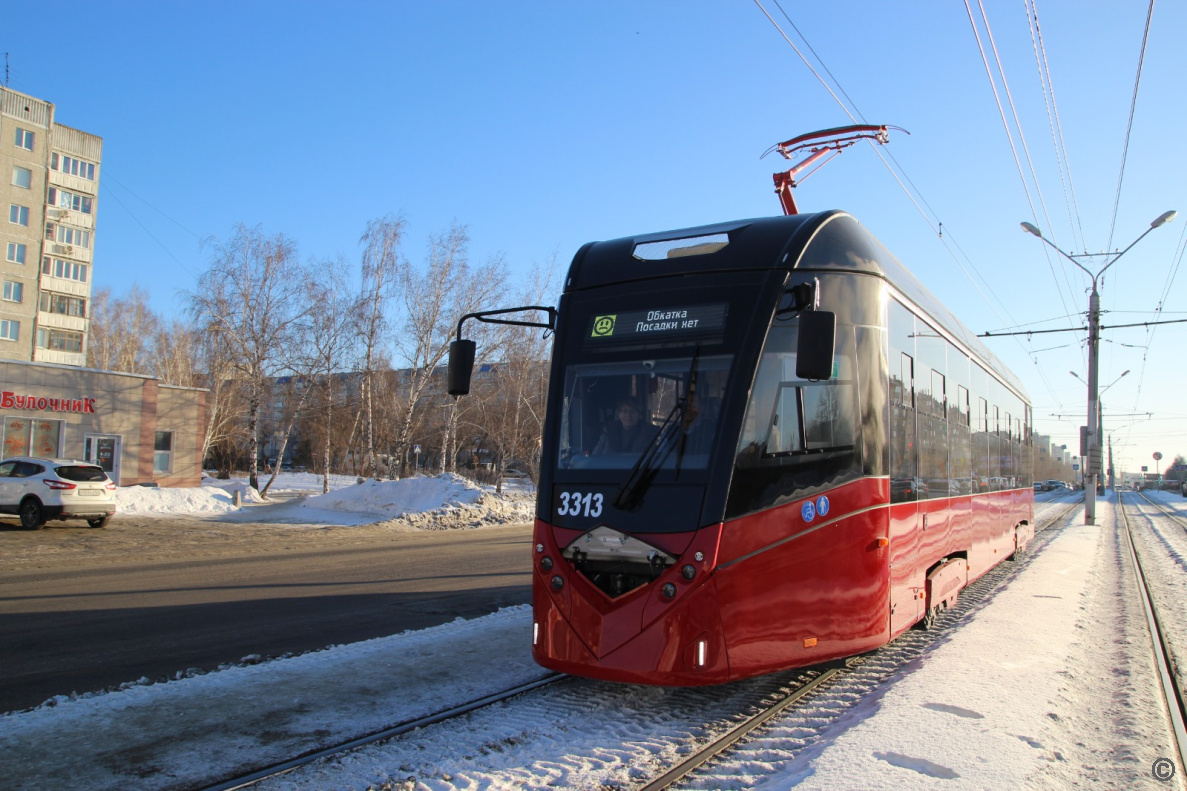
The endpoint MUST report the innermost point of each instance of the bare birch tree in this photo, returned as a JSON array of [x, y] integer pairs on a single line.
[[252, 296], [333, 315], [381, 267], [435, 297]]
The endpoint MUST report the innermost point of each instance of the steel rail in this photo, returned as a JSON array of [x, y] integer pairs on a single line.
[[283, 767], [1172, 694], [1165, 510], [728, 739]]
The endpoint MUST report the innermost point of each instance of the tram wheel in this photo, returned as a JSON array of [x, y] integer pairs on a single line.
[[929, 618]]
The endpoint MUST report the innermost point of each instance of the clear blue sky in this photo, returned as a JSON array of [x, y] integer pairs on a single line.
[[545, 125]]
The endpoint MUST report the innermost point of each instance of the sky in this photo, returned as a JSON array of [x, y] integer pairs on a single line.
[[542, 126]]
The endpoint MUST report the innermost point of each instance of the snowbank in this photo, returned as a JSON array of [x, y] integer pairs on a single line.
[[150, 500], [441, 502]]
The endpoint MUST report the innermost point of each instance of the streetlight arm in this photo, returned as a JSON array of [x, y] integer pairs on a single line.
[[1123, 252], [1034, 231]]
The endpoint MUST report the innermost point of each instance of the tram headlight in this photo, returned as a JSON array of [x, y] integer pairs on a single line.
[[669, 590], [688, 572], [558, 582], [546, 563]]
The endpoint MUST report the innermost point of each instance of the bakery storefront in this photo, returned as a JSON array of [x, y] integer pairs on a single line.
[[134, 427]]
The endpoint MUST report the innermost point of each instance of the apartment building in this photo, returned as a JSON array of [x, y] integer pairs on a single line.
[[49, 188]]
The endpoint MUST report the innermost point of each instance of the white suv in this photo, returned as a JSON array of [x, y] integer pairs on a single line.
[[41, 489]]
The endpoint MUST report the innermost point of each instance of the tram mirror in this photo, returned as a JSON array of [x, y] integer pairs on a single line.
[[461, 366], [814, 348]]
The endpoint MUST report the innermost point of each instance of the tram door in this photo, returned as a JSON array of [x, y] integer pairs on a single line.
[[906, 606]]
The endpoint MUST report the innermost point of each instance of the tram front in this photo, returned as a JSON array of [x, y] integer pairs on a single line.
[[657, 343]]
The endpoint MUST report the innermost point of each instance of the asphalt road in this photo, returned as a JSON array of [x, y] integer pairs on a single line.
[[95, 608]]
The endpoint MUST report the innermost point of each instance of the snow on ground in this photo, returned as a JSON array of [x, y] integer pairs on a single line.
[[438, 502], [1047, 685]]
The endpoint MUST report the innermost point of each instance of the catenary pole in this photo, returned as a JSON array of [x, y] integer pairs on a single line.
[[1092, 423]]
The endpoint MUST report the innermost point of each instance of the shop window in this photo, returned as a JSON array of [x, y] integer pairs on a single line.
[[31, 437], [162, 457]]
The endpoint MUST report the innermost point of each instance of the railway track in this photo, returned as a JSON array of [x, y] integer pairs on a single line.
[[1173, 694], [834, 687]]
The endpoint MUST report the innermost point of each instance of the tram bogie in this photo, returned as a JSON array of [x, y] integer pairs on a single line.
[[767, 446]]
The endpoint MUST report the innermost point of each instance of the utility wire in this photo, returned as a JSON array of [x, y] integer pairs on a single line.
[[1010, 138], [894, 174], [1058, 141], [168, 252], [1129, 126]]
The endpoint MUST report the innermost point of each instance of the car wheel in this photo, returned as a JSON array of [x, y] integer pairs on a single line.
[[100, 522], [31, 516]]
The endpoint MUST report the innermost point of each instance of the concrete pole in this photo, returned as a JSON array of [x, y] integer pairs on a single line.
[[1093, 413]]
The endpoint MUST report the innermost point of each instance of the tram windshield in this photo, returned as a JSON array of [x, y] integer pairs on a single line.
[[666, 410]]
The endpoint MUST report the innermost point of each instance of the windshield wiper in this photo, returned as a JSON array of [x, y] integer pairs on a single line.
[[670, 437]]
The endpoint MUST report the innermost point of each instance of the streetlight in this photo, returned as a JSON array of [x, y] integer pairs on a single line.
[[1094, 445], [1100, 422]]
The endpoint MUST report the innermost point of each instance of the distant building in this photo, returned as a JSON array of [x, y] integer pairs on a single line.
[[49, 188]]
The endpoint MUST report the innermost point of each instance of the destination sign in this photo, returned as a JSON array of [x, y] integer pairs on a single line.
[[661, 322]]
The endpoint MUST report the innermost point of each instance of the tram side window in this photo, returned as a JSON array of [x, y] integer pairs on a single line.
[[980, 451], [933, 440], [906, 484], [995, 449], [960, 443], [797, 435]]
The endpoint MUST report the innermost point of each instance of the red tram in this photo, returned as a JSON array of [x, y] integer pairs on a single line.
[[767, 445]]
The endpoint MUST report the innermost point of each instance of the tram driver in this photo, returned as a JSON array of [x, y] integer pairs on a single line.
[[628, 432]]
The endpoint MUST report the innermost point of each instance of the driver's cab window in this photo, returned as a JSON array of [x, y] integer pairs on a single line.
[[614, 413]]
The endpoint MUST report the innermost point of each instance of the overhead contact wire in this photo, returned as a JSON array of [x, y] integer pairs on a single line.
[[895, 175]]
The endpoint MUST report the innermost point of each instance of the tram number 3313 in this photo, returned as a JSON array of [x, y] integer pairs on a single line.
[[578, 504]]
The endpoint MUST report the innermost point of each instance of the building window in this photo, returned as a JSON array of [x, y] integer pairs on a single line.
[[16, 252], [59, 340], [69, 200], [10, 330], [18, 215], [24, 139], [162, 457], [22, 177], [64, 304], [75, 167], [67, 270], [64, 234], [14, 291]]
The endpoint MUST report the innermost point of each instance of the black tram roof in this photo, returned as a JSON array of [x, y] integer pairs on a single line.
[[825, 241]]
